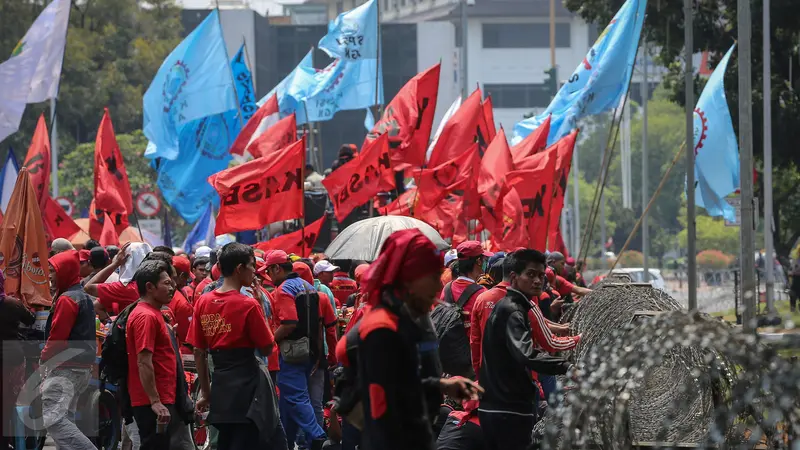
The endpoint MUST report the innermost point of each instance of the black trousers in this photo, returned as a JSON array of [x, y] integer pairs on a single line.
[[148, 430], [244, 436], [502, 431]]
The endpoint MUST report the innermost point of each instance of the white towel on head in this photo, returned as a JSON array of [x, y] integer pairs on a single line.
[[137, 252]]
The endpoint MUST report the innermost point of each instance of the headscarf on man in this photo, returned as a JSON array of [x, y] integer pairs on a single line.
[[136, 251], [406, 255]]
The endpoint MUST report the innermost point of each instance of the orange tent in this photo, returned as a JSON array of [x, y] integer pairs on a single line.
[[23, 246], [130, 234]]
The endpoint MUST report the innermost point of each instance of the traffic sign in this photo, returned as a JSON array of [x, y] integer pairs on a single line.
[[148, 204], [736, 202], [67, 204]]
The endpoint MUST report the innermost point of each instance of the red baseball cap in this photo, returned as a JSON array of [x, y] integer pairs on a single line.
[[276, 257], [471, 249], [83, 255], [181, 264]]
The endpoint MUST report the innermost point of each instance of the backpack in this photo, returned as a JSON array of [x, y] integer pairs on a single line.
[[448, 320], [114, 354]]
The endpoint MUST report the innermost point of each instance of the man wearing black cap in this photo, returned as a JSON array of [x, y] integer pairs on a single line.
[[99, 259]]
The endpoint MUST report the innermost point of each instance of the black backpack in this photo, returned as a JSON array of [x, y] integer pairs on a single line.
[[448, 320], [114, 354]]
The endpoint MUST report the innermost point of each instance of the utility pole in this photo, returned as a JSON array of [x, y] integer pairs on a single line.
[[645, 191], [768, 245], [603, 237], [691, 247], [747, 263], [553, 33], [464, 47]]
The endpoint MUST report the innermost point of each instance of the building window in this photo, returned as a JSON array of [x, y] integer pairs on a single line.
[[518, 95], [524, 35]]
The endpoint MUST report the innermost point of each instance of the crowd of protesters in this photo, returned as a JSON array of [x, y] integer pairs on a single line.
[[296, 352]]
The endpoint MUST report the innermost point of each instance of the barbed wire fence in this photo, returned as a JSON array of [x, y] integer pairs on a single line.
[[654, 375]]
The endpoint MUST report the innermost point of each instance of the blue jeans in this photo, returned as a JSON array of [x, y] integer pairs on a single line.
[[297, 413]]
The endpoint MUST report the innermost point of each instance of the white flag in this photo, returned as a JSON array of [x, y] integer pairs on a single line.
[[447, 115], [32, 72]]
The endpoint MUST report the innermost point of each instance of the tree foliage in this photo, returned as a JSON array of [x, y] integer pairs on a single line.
[[715, 29], [76, 178], [114, 48], [664, 117]]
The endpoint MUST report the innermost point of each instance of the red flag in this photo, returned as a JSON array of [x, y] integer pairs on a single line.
[[408, 119], [109, 234], [57, 223], [359, 180], [459, 173], [511, 231], [266, 116], [280, 135], [531, 145], [461, 131], [23, 248], [261, 191], [496, 163], [534, 187], [402, 206], [488, 119], [112, 191], [300, 242], [38, 161], [564, 149], [97, 219]]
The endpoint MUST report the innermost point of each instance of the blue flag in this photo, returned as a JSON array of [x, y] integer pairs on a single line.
[[353, 35], [203, 152], [344, 85], [296, 85], [354, 80], [600, 80], [194, 82], [715, 147], [8, 179], [203, 231]]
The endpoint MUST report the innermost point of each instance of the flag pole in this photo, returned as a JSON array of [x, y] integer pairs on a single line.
[[247, 61], [230, 69], [302, 203], [53, 120], [138, 226], [378, 81], [586, 239]]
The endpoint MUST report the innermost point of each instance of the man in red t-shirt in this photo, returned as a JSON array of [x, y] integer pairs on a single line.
[[470, 267], [231, 326], [181, 308], [152, 364]]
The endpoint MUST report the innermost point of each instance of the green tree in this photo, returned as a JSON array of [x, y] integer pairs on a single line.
[[712, 234], [114, 48], [715, 28], [77, 182], [664, 117]]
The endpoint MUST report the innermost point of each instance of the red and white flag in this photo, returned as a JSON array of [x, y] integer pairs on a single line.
[[267, 115]]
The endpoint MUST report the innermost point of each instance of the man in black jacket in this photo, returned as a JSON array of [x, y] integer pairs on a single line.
[[507, 409]]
